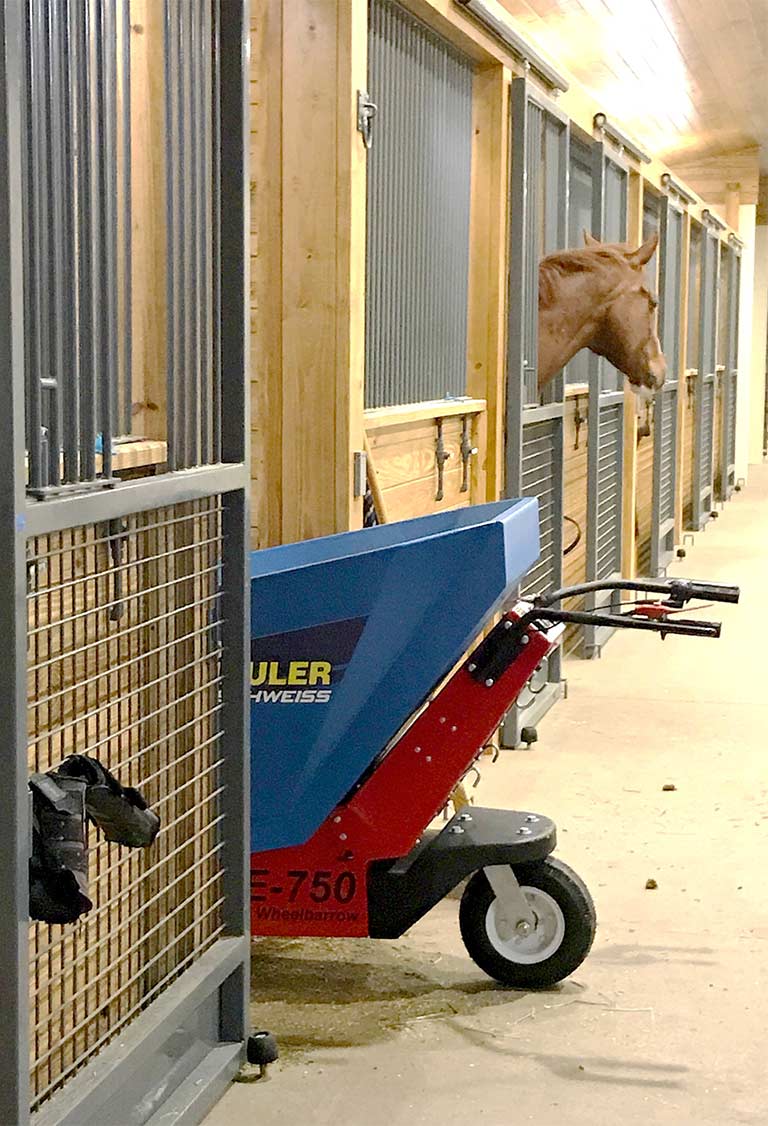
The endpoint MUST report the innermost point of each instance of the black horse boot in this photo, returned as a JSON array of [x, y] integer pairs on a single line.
[[58, 866], [119, 811]]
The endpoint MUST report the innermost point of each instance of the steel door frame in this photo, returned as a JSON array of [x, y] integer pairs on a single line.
[[213, 992], [665, 406], [526, 410], [606, 409], [706, 382]]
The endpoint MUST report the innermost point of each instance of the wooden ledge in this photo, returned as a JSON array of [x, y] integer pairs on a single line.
[[379, 417]]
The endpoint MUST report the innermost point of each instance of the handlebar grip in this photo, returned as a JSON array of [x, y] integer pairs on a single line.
[[714, 592]]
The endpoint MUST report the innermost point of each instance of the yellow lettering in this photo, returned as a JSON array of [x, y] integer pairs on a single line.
[[274, 673], [258, 672], [319, 672], [297, 672]]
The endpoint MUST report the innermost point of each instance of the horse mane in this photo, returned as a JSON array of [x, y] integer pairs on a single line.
[[600, 260]]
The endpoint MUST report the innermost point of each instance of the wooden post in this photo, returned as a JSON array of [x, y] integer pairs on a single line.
[[628, 552], [732, 202], [486, 351], [266, 337], [148, 219], [324, 60]]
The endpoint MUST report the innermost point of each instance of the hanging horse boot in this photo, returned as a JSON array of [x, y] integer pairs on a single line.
[[119, 811], [58, 865]]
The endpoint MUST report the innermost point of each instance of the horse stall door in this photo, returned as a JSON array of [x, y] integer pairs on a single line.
[[727, 357], [705, 406], [577, 403], [417, 267], [665, 406], [534, 439], [692, 388], [605, 440]]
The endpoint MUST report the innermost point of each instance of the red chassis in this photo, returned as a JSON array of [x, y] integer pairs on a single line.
[[323, 887]]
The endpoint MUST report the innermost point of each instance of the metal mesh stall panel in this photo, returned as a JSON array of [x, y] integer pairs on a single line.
[[610, 439], [541, 451], [419, 167], [124, 664], [707, 427]]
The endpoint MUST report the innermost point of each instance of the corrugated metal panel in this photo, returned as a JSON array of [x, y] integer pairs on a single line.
[[665, 434], [419, 170], [610, 439], [731, 425], [707, 426], [540, 478]]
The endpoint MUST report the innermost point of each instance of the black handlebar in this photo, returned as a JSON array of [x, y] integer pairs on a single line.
[[680, 591]]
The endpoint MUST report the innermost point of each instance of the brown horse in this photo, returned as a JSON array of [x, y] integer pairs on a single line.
[[596, 298]]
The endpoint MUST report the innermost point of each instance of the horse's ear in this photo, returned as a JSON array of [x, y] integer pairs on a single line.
[[590, 240], [644, 253]]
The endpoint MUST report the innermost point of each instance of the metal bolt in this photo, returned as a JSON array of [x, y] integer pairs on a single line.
[[464, 817], [471, 666], [442, 719], [524, 640], [489, 683], [507, 624], [455, 829], [523, 831], [531, 818], [342, 836], [336, 820], [523, 927], [427, 758], [417, 750], [454, 728]]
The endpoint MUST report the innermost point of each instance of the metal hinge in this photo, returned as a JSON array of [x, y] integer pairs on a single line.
[[359, 473], [366, 111]]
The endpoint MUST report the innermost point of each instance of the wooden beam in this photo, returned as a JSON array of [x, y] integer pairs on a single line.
[[148, 262], [351, 76], [628, 544], [323, 264], [266, 339], [486, 338], [709, 176]]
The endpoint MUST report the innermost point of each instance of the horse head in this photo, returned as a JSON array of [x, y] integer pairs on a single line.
[[626, 332]]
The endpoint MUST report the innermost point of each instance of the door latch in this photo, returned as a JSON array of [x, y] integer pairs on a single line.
[[441, 456], [366, 111], [467, 451]]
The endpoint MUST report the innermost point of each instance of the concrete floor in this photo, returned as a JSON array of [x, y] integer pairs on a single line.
[[665, 1021]]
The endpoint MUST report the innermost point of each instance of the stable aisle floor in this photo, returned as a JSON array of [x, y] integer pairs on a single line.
[[665, 1023]]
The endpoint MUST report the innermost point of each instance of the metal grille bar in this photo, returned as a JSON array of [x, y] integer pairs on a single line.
[[419, 165], [142, 691]]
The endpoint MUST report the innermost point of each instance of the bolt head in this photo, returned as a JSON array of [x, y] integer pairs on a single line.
[[471, 666], [524, 639], [524, 831], [342, 836], [427, 758], [531, 818], [523, 928], [489, 683], [455, 829]]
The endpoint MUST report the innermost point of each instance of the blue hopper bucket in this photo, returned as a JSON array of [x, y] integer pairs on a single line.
[[350, 634]]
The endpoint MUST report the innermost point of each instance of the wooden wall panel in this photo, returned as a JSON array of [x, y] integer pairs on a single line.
[[148, 317], [689, 424], [404, 460]]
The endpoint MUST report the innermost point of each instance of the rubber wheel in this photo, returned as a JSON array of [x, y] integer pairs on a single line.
[[560, 942], [261, 1048]]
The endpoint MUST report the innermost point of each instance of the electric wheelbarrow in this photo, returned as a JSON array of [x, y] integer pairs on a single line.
[[366, 712]]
